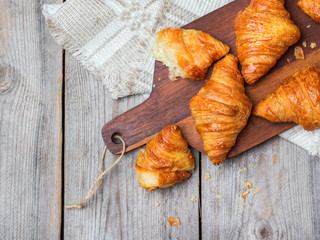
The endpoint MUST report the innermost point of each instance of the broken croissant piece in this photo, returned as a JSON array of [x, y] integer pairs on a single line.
[[221, 109], [167, 160], [296, 100], [311, 7], [187, 53], [264, 32]]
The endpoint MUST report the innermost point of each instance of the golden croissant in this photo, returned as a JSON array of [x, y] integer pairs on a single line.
[[221, 109], [167, 160], [264, 32], [311, 7], [187, 53], [296, 100]]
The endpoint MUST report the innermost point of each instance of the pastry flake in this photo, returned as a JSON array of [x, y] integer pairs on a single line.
[[296, 100], [167, 160], [264, 32], [173, 221], [221, 109], [298, 53], [187, 53]]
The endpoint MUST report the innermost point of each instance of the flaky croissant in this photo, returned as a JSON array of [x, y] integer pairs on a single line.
[[167, 160], [311, 7], [221, 109], [296, 100], [187, 53], [264, 33]]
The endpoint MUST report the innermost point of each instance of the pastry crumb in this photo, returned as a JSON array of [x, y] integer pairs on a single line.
[[159, 79], [242, 203], [240, 169], [244, 194], [154, 85], [313, 45], [274, 159], [304, 44], [245, 169], [256, 190], [193, 198], [173, 221], [288, 60], [247, 184], [298, 53], [207, 175], [308, 26], [252, 166], [156, 204], [218, 196]]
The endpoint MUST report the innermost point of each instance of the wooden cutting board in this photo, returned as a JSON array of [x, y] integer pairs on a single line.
[[169, 100]]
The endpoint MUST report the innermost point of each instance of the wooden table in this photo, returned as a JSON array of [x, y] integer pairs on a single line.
[[51, 114]]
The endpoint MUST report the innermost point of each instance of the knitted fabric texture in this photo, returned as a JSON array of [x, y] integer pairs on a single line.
[[113, 39]]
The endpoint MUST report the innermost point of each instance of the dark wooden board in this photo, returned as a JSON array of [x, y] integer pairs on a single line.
[[169, 100]]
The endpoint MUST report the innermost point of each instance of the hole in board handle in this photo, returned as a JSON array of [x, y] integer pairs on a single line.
[[116, 140]]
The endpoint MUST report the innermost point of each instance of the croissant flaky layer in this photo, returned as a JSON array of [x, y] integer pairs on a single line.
[[296, 100], [187, 53], [264, 32], [221, 109], [311, 7], [167, 160]]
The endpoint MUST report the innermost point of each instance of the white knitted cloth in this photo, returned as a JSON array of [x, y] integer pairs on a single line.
[[113, 39]]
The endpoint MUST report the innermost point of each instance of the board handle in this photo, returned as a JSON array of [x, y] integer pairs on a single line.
[[133, 126]]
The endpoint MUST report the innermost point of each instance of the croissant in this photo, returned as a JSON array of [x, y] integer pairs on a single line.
[[187, 53], [311, 7], [264, 32], [296, 100], [221, 109], [167, 160]]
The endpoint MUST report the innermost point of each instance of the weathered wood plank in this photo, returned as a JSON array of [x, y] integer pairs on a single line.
[[120, 209], [287, 206], [30, 124]]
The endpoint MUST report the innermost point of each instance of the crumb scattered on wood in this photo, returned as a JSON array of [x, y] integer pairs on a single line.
[[156, 204], [274, 159], [242, 203], [193, 198], [256, 190], [313, 45], [308, 26], [206, 175], [304, 44], [154, 85], [159, 79], [288, 60], [218, 196], [240, 169], [247, 184], [298, 53], [252, 166], [244, 194], [245, 169], [173, 221]]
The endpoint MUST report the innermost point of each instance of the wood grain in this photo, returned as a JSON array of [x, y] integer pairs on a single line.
[[169, 101], [30, 124], [120, 209], [285, 207]]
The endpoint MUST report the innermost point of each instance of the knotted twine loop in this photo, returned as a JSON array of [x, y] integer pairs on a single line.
[[102, 173]]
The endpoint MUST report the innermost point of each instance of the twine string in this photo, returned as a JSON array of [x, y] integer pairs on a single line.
[[102, 173]]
